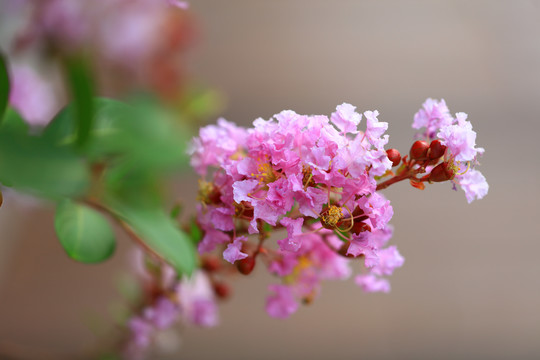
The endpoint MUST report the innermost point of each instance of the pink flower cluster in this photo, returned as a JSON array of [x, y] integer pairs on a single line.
[[126, 31], [128, 44], [314, 177], [191, 300], [460, 141]]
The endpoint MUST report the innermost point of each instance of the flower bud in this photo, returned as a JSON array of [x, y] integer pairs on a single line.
[[419, 150], [442, 172], [210, 264], [222, 290], [394, 156], [245, 266], [436, 149]]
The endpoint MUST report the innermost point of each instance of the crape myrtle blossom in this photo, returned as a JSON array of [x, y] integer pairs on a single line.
[[312, 176], [315, 181], [190, 300], [458, 142], [128, 44], [32, 95]]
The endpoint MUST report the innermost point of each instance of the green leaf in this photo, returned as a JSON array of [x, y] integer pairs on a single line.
[[195, 231], [33, 164], [83, 232], [159, 232], [4, 85], [176, 211], [137, 138], [82, 90]]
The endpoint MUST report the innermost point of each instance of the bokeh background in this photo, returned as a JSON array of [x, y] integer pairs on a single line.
[[470, 286]]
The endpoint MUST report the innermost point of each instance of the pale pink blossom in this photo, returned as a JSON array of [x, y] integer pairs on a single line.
[[474, 184], [281, 304], [32, 95], [371, 283]]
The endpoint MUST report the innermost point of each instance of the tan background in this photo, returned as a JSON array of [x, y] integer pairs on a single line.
[[470, 286]]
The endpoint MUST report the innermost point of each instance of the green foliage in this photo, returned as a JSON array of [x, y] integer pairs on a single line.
[[83, 232], [82, 90], [132, 138], [128, 152], [176, 211], [4, 85], [31, 163], [195, 231], [155, 227]]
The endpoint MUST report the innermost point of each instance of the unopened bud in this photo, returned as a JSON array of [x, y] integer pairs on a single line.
[[222, 290], [442, 172], [419, 150], [436, 149], [245, 266], [210, 264], [394, 156]]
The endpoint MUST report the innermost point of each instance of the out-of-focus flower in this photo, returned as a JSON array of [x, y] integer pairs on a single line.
[[372, 283], [197, 300], [191, 300], [32, 95], [140, 42], [281, 304]]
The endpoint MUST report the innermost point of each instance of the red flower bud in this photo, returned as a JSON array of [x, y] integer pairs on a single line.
[[419, 150], [210, 264], [222, 290], [442, 172], [436, 149], [394, 156], [245, 266]]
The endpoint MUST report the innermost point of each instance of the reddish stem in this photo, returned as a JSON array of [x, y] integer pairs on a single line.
[[404, 175]]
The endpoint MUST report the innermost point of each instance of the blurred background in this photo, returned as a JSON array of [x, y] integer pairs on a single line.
[[470, 286]]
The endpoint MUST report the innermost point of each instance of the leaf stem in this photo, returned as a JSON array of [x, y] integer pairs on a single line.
[[125, 226]]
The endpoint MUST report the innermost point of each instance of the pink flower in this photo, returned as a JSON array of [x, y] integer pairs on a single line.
[[433, 116], [294, 234], [212, 238], [375, 129], [162, 314], [233, 251], [184, 5], [65, 21], [32, 96], [389, 260], [362, 244], [284, 265], [346, 118], [370, 283], [474, 184], [299, 171], [197, 300], [460, 139], [141, 331], [282, 303], [216, 145]]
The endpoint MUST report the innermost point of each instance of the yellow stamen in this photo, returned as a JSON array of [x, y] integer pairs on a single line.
[[467, 169], [266, 173], [332, 216], [205, 189]]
